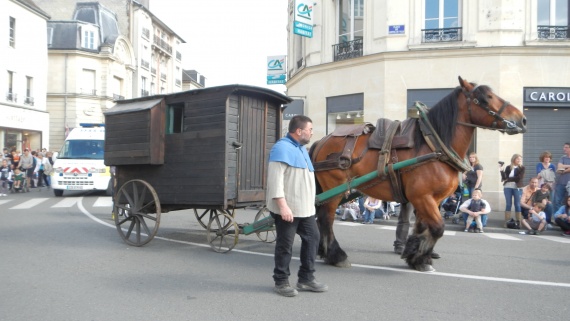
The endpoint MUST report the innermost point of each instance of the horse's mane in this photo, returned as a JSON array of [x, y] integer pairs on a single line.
[[443, 118]]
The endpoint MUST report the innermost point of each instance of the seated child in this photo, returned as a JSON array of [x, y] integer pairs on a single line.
[[352, 209], [543, 196], [536, 221], [19, 179], [475, 207]]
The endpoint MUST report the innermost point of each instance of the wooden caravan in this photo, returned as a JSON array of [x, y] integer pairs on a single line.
[[201, 149]]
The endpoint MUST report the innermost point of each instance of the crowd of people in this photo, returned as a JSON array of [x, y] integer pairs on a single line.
[[22, 171]]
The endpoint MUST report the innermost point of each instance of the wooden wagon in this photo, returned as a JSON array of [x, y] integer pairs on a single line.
[[203, 149]]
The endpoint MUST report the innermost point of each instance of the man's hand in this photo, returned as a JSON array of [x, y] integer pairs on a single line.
[[284, 210]]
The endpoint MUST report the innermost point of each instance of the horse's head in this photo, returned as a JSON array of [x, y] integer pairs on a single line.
[[487, 110]]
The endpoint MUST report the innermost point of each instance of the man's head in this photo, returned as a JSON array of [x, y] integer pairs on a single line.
[[533, 183], [545, 187], [477, 194], [567, 149], [301, 129], [4, 163]]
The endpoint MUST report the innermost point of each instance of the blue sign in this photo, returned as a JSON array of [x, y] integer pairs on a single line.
[[276, 79], [397, 29], [303, 29]]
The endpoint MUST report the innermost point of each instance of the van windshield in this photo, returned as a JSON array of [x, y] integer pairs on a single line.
[[82, 149]]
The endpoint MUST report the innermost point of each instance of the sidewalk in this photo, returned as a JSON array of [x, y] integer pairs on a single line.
[[494, 224]]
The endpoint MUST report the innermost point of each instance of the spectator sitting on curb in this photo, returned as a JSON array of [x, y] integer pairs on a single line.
[[475, 207], [562, 217], [536, 221]]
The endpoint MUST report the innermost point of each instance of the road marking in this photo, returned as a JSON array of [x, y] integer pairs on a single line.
[[4, 201], [499, 236], [66, 202], [386, 227], [449, 233], [350, 224], [364, 266], [558, 239], [103, 201], [29, 203]]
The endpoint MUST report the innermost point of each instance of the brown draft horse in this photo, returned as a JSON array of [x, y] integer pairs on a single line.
[[425, 185]]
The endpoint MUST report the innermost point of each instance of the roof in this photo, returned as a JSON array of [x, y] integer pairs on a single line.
[[148, 102], [34, 7], [132, 106]]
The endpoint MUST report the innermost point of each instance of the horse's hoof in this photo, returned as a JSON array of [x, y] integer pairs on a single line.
[[343, 264], [425, 268]]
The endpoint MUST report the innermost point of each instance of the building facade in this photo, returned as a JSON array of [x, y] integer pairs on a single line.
[[370, 59], [132, 54], [23, 115]]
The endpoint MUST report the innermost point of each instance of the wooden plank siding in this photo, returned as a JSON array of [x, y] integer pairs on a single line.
[[202, 166]]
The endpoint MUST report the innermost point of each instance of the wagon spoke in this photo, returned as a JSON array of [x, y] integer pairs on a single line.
[[148, 216], [146, 229], [146, 205]]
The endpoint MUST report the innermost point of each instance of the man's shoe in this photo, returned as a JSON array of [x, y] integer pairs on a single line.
[[285, 290], [566, 233], [398, 250], [435, 255], [313, 286]]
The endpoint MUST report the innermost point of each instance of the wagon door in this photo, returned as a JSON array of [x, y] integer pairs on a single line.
[[255, 136]]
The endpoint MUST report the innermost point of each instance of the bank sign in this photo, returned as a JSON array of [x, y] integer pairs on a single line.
[[546, 97], [276, 70], [303, 18]]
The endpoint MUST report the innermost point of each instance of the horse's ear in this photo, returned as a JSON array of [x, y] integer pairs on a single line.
[[463, 83]]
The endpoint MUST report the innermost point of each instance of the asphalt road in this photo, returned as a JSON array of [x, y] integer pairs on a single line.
[[62, 259]]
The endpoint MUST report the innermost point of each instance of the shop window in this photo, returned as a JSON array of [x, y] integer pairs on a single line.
[[344, 110]]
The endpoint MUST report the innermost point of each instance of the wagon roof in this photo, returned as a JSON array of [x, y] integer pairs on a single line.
[[132, 106], [142, 103]]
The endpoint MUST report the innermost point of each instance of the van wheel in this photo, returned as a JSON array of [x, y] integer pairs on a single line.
[[58, 192], [109, 191]]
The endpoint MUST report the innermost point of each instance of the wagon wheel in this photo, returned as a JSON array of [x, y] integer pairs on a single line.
[[222, 232], [204, 218], [265, 236], [136, 210]]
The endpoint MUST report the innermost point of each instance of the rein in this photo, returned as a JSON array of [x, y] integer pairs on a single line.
[[497, 115]]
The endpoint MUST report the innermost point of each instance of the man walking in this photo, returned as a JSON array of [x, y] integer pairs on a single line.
[[290, 199]]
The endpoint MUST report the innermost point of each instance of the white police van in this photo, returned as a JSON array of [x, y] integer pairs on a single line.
[[79, 165]]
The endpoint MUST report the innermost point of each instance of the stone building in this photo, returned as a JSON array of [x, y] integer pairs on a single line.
[[369, 59], [24, 120], [133, 54]]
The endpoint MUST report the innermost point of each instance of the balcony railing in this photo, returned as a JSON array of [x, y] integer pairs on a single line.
[[442, 35], [178, 56], [29, 101], [347, 50], [118, 97], [178, 82], [162, 76], [144, 93], [153, 70], [145, 64], [88, 91], [552, 32], [11, 97], [162, 45]]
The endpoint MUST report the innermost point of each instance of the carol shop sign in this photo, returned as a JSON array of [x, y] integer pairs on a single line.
[[546, 97]]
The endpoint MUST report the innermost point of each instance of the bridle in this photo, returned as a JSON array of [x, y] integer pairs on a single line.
[[509, 125]]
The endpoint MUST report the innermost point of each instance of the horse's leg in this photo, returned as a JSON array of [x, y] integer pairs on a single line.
[[329, 249], [428, 229]]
